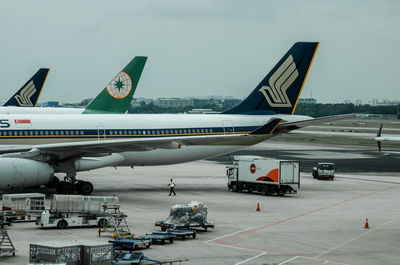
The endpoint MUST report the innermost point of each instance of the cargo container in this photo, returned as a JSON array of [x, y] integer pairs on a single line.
[[263, 175], [68, 252]]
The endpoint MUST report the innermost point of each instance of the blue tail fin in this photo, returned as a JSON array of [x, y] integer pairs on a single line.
[[280, 90], [28, 94]]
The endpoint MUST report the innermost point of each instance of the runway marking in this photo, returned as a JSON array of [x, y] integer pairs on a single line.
[[306, 213], [231, 246], [286, 261], [235, 246], [208, 241], [353, 239], [244, 261], [372, 180]]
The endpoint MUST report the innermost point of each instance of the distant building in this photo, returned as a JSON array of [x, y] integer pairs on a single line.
[[307, 101], [358, 102], [51, 104], [174, 102], [202, 111], [347, 101], [385, 102]]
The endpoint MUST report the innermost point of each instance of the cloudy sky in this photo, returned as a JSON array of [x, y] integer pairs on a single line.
[[200, 48]]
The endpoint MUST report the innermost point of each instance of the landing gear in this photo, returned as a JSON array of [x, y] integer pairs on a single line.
[[84, 187], [71, 184]]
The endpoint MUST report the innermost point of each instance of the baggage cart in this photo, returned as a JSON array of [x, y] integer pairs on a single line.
[[183, 233], [128, 258], [159, 237], [130, 243]]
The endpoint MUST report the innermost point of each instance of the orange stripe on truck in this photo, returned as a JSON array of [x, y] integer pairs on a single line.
[[273, 176]]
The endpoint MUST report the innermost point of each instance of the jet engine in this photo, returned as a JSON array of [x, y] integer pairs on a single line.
[[17, 173]]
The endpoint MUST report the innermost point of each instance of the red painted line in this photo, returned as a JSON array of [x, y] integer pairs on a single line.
[[303, 214]]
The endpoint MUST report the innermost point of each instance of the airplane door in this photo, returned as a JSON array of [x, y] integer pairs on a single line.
[[228, 126], [101, 132]]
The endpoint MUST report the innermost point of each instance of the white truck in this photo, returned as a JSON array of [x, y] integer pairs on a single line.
[[324, 171], [264, 175], [75, 211], [22, 206]]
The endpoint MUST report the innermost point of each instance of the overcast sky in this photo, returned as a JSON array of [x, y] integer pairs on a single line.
[[200, 48]]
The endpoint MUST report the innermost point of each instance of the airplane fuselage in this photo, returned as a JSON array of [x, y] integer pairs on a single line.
[[34, 129]]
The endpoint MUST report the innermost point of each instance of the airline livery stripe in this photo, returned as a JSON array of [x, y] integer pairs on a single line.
[[305, 78]]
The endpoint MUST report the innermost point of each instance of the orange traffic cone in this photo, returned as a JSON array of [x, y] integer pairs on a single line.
[[258, 207], [366, 226]]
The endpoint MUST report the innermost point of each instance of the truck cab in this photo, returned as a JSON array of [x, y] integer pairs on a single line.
[[324, 171]]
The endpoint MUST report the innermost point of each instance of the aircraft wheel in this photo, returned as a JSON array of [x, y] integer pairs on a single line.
[[84, 187], [64, 187]]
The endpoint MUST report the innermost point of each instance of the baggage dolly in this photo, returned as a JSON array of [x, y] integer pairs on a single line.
[[128, 258], [164, 226], [183, 233], [130, 243], [160, 237]]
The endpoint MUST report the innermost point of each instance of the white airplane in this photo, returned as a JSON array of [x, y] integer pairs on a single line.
[[379, 138], [34, 147], [26, 98]]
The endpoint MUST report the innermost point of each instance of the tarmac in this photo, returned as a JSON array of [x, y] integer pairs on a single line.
[[322, 224]]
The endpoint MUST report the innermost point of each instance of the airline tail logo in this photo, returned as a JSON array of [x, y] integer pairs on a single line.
[[24, 97], [279, 82], [120, 86]]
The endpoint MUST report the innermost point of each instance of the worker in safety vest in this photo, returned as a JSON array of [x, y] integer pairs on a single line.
[[171, 186]]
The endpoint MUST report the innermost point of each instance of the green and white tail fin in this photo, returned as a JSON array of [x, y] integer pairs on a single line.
[[117, 96]]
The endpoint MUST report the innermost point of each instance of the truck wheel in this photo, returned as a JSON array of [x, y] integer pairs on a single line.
[[234, 188], [162, 241], [62, 224], [194, 235], [171, 240]]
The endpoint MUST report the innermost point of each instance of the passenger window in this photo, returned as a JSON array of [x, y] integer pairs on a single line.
[[158, 132], [184, 131], [129, 132], [62, 132], [82, 133]]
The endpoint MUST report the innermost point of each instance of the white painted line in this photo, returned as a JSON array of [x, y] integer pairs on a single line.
[[228, 246], [286, 261], [244, 261], [352, 239], [208, 241]]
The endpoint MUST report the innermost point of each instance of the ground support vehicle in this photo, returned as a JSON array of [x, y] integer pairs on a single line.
[[183, 233], [128, 258], [6, 245], [159, 237], [75, 211], [23, 207], [324, 171], [115, 222], [263, 175], [130, 243]]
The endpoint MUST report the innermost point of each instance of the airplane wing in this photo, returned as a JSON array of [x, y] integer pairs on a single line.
[[290, 126], [68, 150]]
